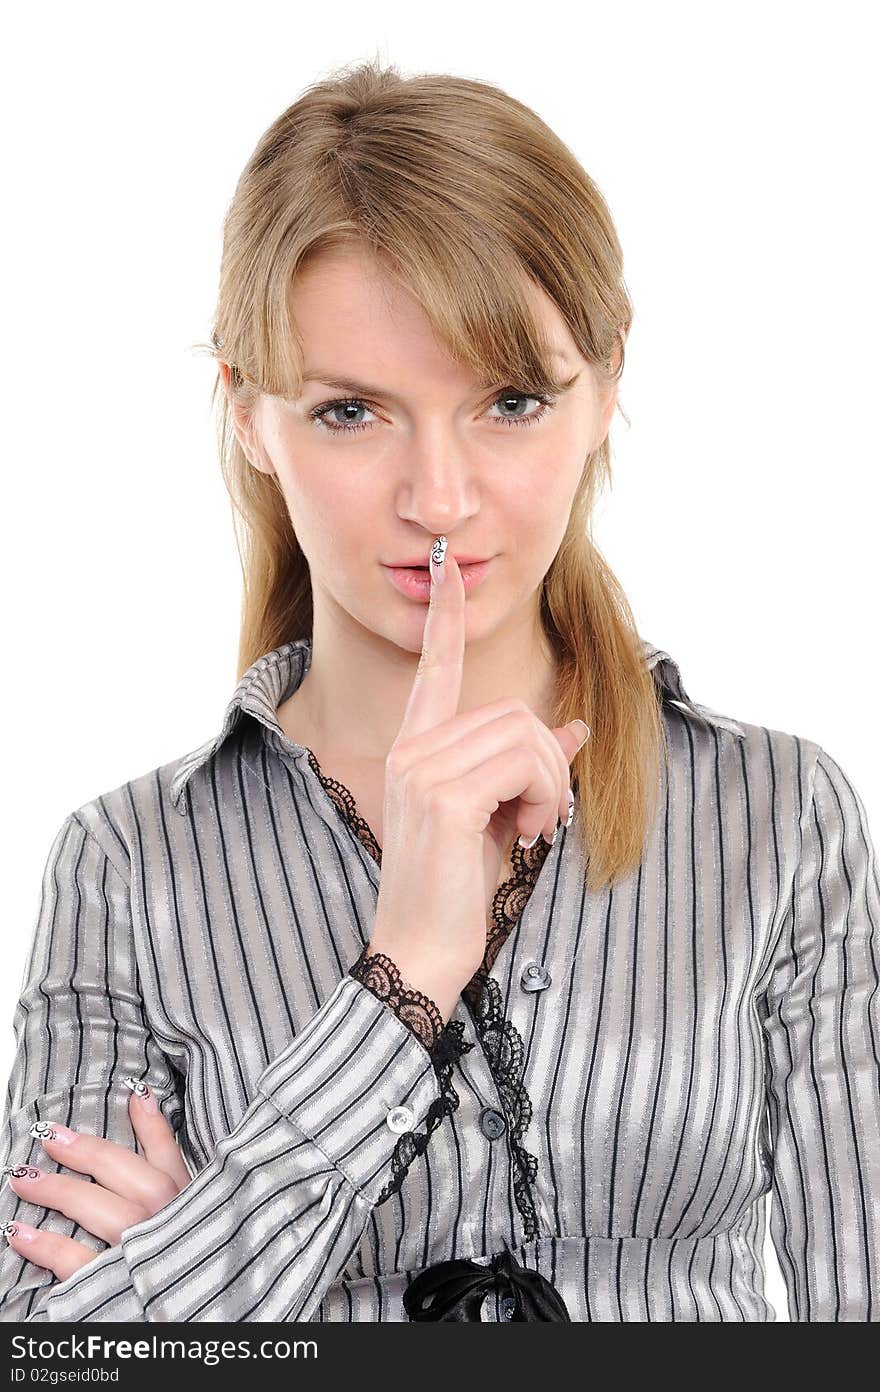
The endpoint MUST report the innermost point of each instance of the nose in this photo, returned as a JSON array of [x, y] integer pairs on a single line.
[[439, 486]]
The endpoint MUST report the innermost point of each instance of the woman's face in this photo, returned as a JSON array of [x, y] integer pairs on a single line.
[[423, 452]]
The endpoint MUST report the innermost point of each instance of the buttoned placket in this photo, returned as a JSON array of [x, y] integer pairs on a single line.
[[529, 979]]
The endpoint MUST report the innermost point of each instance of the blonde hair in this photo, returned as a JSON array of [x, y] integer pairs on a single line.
[[461, 191]]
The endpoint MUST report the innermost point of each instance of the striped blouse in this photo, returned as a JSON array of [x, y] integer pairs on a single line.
[[620, 1086]]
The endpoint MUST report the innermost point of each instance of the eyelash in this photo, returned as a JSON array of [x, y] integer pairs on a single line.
[[547, 404]]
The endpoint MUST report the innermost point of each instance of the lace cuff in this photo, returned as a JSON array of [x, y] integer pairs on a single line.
[[445, 1044], [418, 1012]]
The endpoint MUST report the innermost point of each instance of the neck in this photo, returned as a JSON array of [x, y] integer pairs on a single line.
[[355, 693]]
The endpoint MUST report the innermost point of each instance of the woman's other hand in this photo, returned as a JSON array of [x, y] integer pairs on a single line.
[[128, 1188]]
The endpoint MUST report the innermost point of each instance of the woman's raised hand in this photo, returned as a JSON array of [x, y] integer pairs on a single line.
[[457, 790]]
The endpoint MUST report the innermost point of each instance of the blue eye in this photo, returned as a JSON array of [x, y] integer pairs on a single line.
[[354, 403]]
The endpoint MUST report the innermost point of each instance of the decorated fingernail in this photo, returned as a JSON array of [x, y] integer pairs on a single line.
[[570, 817], [53, 1131], [142, 1092], [22, 1172], [438, 556], [23, 1231]]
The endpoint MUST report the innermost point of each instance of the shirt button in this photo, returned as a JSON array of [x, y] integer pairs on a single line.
[[492, 1123], [399, 1119], [534, 977], [508, 1305]]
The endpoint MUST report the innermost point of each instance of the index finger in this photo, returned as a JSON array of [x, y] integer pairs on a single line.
[[436, 688], [114, 1166]]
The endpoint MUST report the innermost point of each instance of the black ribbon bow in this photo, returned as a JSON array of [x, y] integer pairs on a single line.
[[459, 1288]]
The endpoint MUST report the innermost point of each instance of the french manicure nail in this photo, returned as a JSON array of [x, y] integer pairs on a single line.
[[527, 845], [570, 817], [586, 731]]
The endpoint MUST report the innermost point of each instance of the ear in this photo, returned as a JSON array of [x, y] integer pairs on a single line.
[[609, 406], [607, 403], [243, 424]]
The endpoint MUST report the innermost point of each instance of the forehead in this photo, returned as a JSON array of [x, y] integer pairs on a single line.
[[350, 311]]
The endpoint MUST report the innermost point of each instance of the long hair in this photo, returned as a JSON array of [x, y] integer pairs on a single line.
[[460, 191]]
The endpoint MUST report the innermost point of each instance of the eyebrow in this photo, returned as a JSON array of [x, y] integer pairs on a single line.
[[348, 384]]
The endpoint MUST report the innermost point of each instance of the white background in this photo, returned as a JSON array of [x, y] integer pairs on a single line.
[[736, 145]]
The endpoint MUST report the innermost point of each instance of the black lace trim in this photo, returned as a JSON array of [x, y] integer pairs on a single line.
[[444, 1043], [417, 1011], [505, 1052], [501, 1041], [447, 1051], [510, 900], [343, 799]]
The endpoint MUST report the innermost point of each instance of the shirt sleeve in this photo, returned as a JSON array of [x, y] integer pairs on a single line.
[[821, 1016], [263, 1230]]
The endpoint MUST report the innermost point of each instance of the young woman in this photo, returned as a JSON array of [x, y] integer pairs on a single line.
[[471, 970]]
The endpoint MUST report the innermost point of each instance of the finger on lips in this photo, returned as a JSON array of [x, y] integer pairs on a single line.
[[435, 693]]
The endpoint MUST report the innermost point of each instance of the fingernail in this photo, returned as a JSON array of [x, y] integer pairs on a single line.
[[143, 1093], [53, 1131], [438, 556], [586, 731], [23, 1231], [21, 1172], [570, 817], [527, 845]]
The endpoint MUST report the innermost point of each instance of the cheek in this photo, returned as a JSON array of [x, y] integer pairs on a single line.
[[339, 527], [322, 498], [542, 494]]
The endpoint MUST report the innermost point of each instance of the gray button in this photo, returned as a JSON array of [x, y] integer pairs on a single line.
[[508, 1305], [399, 1119], [492, 1123], [534, 977]]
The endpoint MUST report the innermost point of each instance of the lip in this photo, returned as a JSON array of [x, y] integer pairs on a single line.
[[415, 561], [416, 584]]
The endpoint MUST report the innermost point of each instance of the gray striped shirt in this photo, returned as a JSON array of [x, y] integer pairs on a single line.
[[703, 1035]]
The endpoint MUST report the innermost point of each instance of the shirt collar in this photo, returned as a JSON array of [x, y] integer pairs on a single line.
[[269, 680]]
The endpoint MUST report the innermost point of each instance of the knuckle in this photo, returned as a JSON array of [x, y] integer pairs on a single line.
[[523, 717], [51, 1246], [408, 793], [442, 803], [396, 761], [166, 1190], [434, 798], [522, 725], [137, 1213]]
